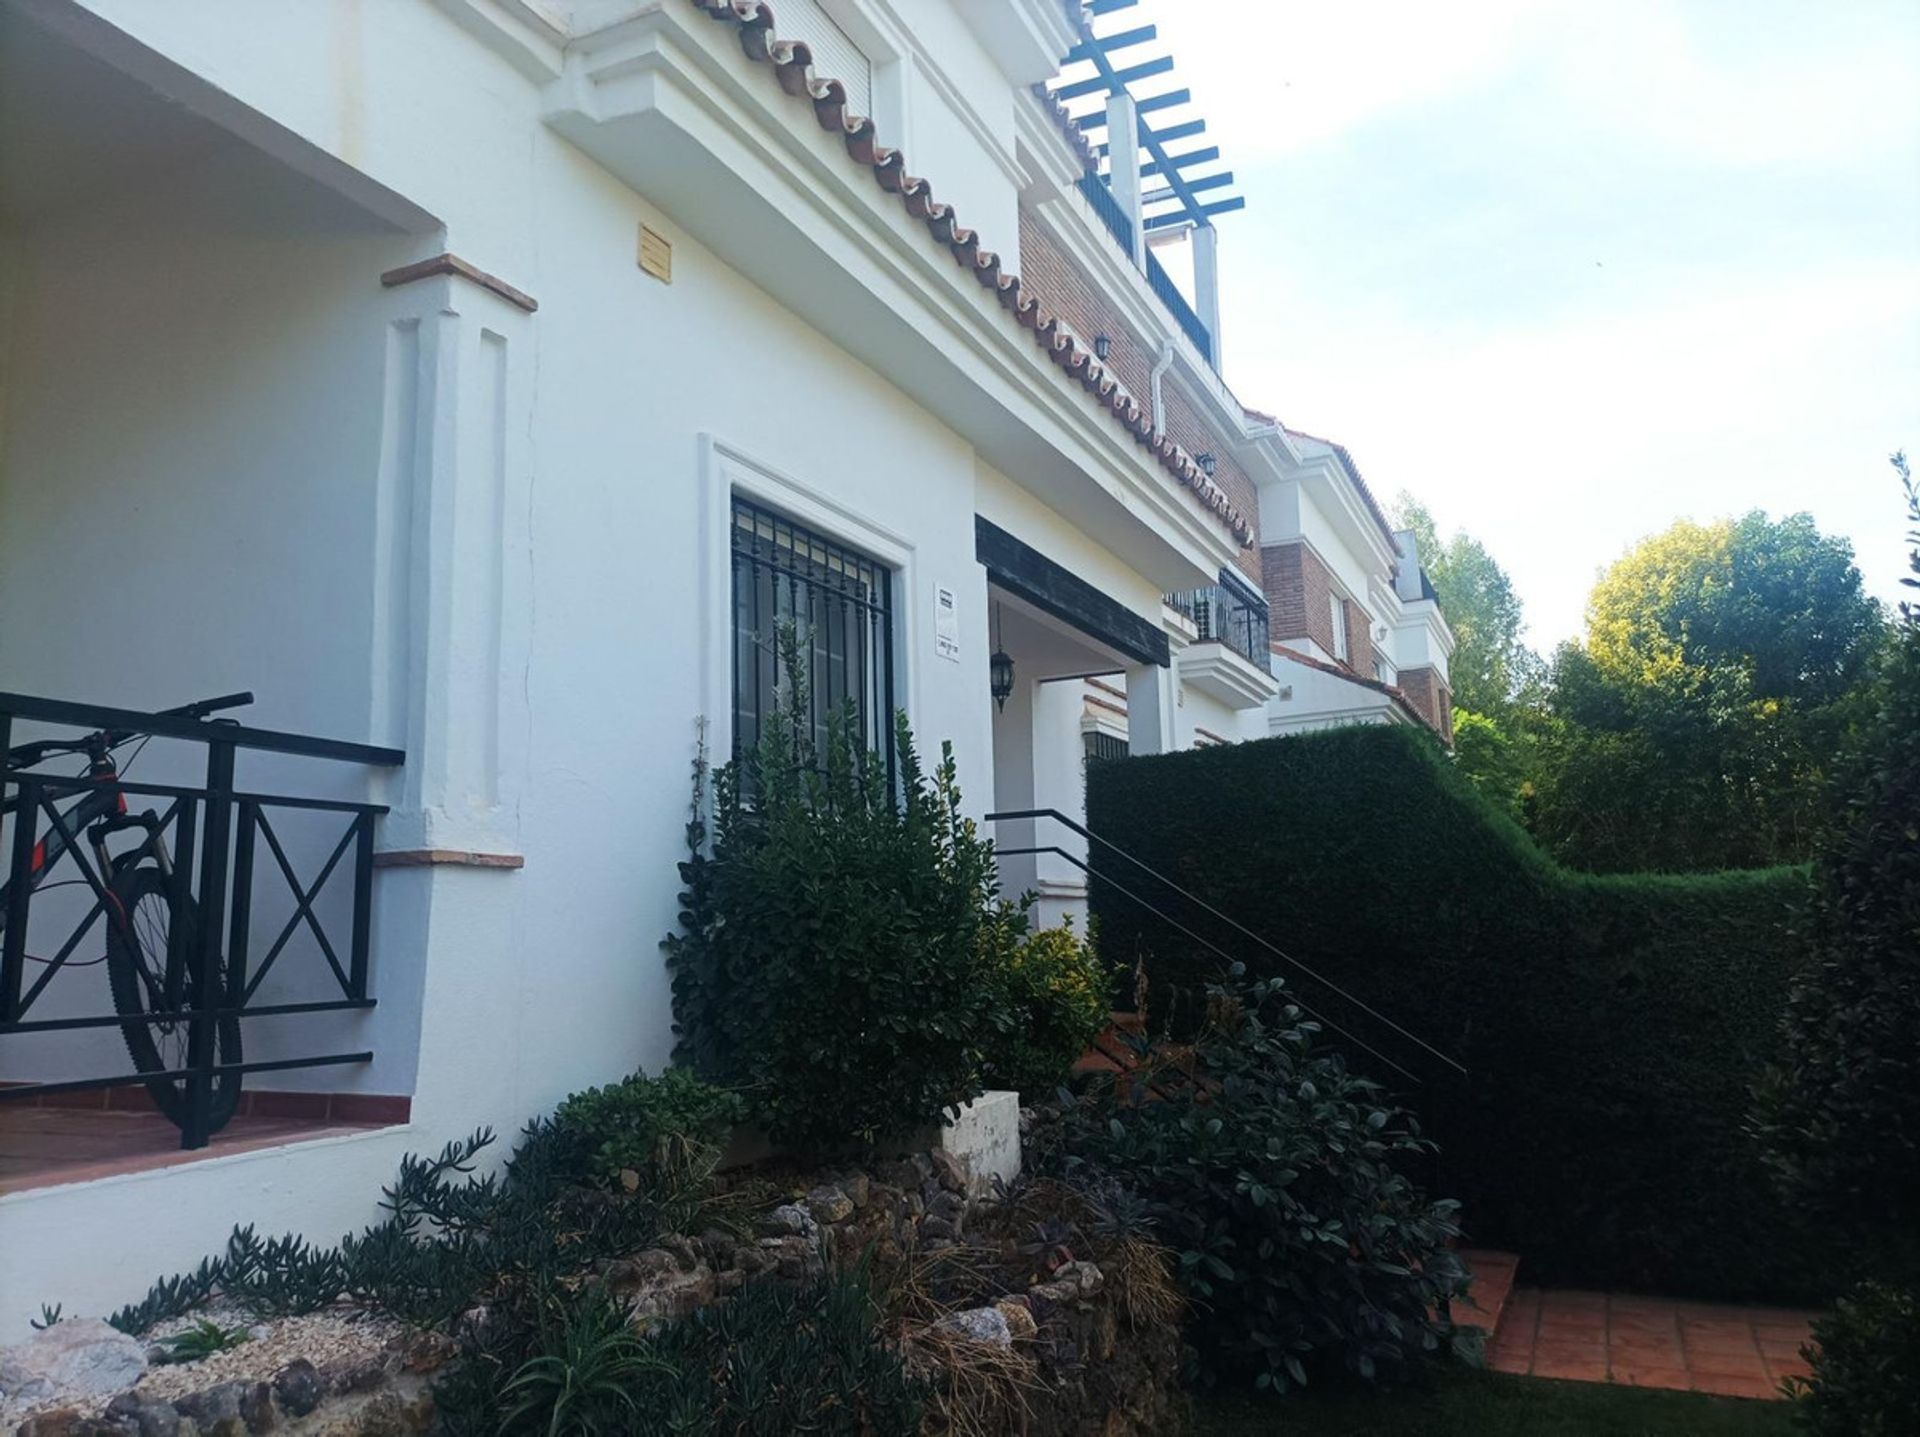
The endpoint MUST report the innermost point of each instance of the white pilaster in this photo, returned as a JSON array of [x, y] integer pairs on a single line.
[[1123, 166], [1206, 282], [1150, 702]]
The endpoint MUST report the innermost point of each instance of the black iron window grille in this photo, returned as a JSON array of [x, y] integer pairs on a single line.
[[1102, 747], [838, 603], [1226, 613]]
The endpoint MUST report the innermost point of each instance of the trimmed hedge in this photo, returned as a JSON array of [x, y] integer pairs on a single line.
[[1611, 1025]]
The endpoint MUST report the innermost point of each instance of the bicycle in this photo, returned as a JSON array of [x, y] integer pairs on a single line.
[[153, 972]]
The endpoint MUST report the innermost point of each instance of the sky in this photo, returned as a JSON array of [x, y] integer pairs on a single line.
[[1567, 272]]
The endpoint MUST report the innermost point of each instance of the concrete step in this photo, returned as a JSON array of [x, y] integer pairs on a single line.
[[1493, 1274]]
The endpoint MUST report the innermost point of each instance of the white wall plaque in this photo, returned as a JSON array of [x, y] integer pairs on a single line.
[[946, 623]]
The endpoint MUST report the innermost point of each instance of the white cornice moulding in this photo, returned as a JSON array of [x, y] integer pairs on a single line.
[[672, 72]]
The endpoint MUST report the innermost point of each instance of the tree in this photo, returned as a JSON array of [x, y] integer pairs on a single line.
[[1692, 727], [1839, 1114], [1491, 667]]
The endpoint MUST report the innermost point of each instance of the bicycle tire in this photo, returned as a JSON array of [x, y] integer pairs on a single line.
[[136, 962]]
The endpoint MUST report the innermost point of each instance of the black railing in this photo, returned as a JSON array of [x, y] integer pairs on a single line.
[[1224, 615], [199, 857], [1178, 307], [1116, 219], [1341, 1013]]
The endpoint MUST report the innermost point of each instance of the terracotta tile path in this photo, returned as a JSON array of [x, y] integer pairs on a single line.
[[1649, 1342]]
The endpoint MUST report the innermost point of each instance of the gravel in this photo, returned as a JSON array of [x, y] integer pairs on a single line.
[[334, 1337]]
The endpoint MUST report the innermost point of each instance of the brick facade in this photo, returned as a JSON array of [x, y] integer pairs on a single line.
[[1050, 273], [1429, 697], [1359, 640], [1298, 588], [1186, 428]]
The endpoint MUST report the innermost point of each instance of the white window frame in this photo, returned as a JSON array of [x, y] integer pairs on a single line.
[[725, 469], [1342, 643]]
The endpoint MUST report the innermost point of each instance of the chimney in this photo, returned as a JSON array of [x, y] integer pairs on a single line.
[[1406, 574]]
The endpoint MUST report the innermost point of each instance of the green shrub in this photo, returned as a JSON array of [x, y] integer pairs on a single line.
[[614, 1136], [829, 963], [585, 1378], [1053, 992], [1280, 1181], [780, 1359], [1866, 1367], [1611, 1025]]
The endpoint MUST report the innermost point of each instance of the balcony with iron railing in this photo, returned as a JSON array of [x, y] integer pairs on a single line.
[[1119, 224], [192, 896], [1221, 614], [1228, 657]]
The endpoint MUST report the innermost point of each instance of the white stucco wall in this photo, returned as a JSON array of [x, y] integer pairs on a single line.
[[417, 515], [187, 508]]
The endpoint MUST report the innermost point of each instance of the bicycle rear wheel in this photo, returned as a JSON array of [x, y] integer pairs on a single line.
[[137, 973]]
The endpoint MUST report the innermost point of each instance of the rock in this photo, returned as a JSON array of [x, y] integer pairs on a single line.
[[788, 1220], [61, 1422], [938, 1229], [1074, 1282], [949, 1169], [979, 1324], [791, 1258], [426, 1351], [858, 1187], [666, 1289], [368, 1374], [81, 1357], [256, 1407], [297, 1387], [214, 1405], [1019, 1317], [829, 1205], [149, 1417], [684, 1252], [948, 1205]]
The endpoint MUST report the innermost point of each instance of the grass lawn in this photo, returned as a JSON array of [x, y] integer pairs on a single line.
[[1486, 1404]]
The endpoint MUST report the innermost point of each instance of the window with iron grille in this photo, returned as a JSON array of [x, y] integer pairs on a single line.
[[839, 603], [1104, 746]]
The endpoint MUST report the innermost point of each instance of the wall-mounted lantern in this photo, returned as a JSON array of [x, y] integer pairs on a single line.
[[1206, 461], [1102, 346], [1000, 668]]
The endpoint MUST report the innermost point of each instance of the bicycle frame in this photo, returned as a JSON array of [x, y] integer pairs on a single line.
[[100, 815]]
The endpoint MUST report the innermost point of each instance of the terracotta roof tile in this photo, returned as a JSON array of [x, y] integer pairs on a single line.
[[1353, 473], [1341, 671], [792, 62]]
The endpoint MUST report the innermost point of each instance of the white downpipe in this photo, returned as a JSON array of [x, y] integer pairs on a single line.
[[1160, 367]]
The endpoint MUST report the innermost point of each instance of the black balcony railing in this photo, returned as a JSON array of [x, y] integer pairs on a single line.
[[1108, 208], [1120, 226], [1224, 615], [165, 878], [1178, 307]]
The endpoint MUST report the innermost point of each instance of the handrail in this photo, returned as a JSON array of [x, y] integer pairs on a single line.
[[1175, 924], [99, 716], [1015, 815]]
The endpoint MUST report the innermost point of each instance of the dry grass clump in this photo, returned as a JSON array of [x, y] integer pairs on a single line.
[[979, 1389], [921, 1285], [1141, 1272]]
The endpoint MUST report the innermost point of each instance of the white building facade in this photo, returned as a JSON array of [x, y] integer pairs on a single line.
[[488, 380]]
